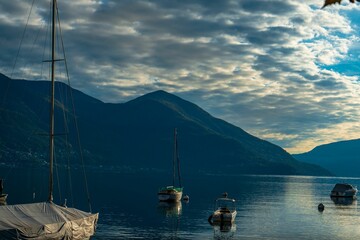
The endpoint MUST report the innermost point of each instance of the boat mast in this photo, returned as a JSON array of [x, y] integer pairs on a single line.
[[52, 104], [178, 162], [174, 158]]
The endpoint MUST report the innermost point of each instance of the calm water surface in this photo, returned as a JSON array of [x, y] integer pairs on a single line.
[[269, 207]]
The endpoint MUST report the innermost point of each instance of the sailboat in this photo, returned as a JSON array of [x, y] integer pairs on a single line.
[[47, 220], [172, 193]]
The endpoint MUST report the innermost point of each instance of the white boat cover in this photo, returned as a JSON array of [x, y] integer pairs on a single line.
[[45, 220]]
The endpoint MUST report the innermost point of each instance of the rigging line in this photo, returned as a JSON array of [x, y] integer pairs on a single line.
[[22, 144], [74, 113], [57, 165], [69, 179], [57, 176], [17, 54], [45, 42], [13, 69], [22, 38], [178, 163], [68, 186], [45, 46], [68, 168], [30, 136], [174, 157], [36, 39]]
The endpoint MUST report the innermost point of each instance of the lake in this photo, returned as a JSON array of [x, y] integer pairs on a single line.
[[269, 207]]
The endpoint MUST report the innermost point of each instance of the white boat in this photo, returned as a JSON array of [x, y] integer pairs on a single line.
[[343, 190], [172, 193], [47, 220], [225, 211]]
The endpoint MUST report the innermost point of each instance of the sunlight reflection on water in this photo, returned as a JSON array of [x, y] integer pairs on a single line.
[[269, 207]]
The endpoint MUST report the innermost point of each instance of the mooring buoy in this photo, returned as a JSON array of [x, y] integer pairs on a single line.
[[321, 207]]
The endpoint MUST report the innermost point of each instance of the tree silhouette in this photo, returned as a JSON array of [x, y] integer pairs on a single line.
[[329, 2]]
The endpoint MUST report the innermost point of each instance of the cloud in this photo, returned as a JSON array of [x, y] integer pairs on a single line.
[[281, 70]]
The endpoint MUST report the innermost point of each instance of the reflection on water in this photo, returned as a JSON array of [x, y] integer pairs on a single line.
[[172, 212], [170, 209], [344, 201], [224, 231], [268, 207]]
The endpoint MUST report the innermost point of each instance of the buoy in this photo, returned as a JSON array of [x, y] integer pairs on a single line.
[[186, 198], [321, 207]]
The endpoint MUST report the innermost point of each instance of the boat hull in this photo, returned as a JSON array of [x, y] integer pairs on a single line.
[[343, 190], [346, 194], [223, 217], [225, 211], [169, 196]]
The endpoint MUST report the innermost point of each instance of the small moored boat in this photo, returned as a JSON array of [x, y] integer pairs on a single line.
[[343, 190], [172, 193], [225, 211]]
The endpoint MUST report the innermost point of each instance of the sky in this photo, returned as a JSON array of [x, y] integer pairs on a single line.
[[284, 71]]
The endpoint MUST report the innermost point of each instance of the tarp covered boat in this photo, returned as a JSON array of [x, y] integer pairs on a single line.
[[45, 220]]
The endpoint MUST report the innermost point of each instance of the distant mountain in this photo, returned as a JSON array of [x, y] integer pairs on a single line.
[[341, 158], [136, 135]]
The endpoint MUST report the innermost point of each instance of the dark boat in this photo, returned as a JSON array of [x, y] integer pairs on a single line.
[[343, 190]]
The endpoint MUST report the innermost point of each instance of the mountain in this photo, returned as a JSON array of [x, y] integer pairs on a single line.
[[136, 135], [341, 158]]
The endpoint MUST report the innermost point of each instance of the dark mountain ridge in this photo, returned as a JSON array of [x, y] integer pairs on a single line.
[[137, 134], [342, 158]]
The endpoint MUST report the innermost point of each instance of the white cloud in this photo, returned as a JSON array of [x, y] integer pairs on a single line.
[[265, 66]]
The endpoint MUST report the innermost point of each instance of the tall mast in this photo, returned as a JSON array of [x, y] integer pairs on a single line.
[[178, 161], [174, 158], [52, 104]]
